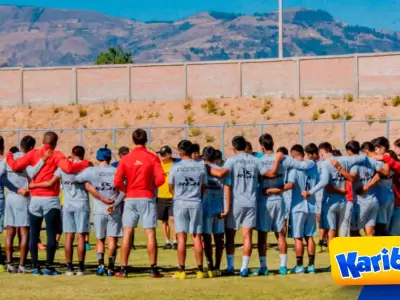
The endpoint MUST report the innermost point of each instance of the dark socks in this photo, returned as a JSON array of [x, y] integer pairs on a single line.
[[100, 259], [311, 259], [81, 265], [181, 268], [299, 260], [70, 266], [200, 268]]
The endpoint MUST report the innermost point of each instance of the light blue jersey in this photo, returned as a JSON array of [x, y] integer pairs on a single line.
[[244, 170], [385, 186], [267, 162], [366, 172], [188, 177], [303, 181]]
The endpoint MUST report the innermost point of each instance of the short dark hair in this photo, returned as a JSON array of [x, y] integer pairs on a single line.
[[217, 154], [397, 143], [208, 153], [139, 137], [239, 143], [382, 142], [14, 149], [283, 150], [367, 146], [50, 138], [79, 151], [353, 146], [249, 145], [27, 143], [336, 152], [266, 141], [123, 150], [298, 148], [326, 146], [195, 148], [311, 149], [1, 145], [186, 147]]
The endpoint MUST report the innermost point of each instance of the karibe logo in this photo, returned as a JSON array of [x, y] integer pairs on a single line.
[[365, 260]]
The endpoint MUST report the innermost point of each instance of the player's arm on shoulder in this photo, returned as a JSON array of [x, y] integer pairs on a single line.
[[350, 176], [323, 182], [45, 184], [384, 169], [334, 190], [228, 200], [291, 163], [33, 171], [20, 163]]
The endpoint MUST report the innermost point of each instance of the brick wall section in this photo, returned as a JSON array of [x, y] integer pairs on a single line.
[[379, 76], [10, 87]]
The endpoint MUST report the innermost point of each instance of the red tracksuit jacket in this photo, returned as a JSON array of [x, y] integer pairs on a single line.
[[139, 174]]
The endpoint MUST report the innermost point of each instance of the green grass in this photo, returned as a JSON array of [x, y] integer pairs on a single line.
[[140, 286]]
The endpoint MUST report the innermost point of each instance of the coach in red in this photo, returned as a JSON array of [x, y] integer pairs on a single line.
[[139, 174], [45, 202]]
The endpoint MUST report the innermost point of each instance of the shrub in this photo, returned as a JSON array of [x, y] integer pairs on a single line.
[[187, 105], [315, 116], [309, 98], [189, 119], [56, 109], [396, 101], [349, 98], [139, 117], [336, 115], [170, 117], [267, 117], [157, 115], [82, 111], [195, 132], [347, 115], [370, 119], [321, 111], [305, 103], [126, 124], [221, 113], [210, 139], [292, 113], [266, 107], [150, 116], [254, 96], [106, 110], [210, 106], [233, 122]]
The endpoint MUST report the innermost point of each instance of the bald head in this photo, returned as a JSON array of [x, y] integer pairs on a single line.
[[50, 138]]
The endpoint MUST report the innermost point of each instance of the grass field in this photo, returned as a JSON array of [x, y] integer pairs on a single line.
[[140, 286]]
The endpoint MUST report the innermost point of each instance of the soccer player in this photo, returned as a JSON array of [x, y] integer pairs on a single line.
[[218, 160], [45, 202], [164, 200], [386, 196], [312, 154], [139, 174], [17, 202], [213, 207], [106, 208], [243, 171], [187, 181], [271, 208], [196, 152], [334, 205], [75, 213], [302, 213]]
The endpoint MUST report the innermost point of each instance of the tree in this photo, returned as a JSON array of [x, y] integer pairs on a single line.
[[114, 56]]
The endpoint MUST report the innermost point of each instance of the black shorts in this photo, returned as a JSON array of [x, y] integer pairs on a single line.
[[164, 209]]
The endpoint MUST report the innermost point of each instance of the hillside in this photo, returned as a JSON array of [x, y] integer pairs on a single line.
[[143, 114], [35, 36]]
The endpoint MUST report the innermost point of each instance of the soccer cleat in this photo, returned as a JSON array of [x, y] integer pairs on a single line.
[[36, 272], [88, 247], [81, 272], [179, 275], [217, 273], [283, 270], [51, 272], [24, 270], [156, 274], [310, 269], [244, 273], [211, 274], [70, 273], [297, 270], [2, 268], [175, 246], [110, 273], [11, 269], [228, 272], [201, 275], [121, 274], [167, 246], [100, 271], [260, 272]]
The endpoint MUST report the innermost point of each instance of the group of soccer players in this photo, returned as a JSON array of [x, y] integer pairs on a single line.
[[285, 192]]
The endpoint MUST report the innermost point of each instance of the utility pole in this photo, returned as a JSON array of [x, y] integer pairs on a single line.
[[280, 42]]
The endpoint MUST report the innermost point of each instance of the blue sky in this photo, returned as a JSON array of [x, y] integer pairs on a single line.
[[380, 14]]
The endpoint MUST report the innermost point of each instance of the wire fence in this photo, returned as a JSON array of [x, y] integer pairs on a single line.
[[338, 132]]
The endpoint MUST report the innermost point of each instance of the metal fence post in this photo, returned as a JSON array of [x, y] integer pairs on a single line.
[[185, 127], [114, 136], [81, 136], [261, 129], [223, 139], [302, 133], [149, 134], [344, 130], [387, 127], [17, 136]]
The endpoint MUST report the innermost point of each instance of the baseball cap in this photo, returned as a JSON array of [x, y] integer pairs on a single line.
[[165, 150], [103, 154], [123, 150]]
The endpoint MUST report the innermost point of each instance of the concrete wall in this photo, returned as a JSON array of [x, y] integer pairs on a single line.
[[364, 75]]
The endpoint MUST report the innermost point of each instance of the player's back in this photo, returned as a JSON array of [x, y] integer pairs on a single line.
[[243, 178], [366, 171], [267, 161], [75, 195], [17, 178], [303, 181], [188, 177], [213, 198]]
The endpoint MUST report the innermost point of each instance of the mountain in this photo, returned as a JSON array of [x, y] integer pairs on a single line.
[[35, 36]]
